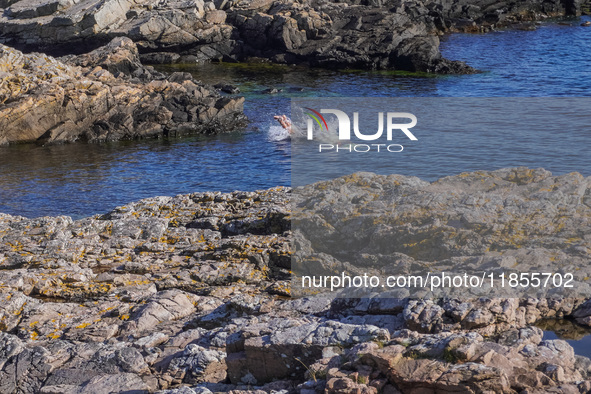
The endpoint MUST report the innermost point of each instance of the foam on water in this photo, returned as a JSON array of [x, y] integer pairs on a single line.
[[278, 133]]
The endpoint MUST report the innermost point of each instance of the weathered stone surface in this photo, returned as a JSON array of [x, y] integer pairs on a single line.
[[197, 364], [118, 56], [359, 34], [490, 367], [510, 220], [377, 34], [165, 306], [106, 384], [170, 292], [47, 100]]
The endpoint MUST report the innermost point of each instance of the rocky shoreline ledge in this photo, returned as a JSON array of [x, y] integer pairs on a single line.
[[362, 34], [191, 294], [104, 95]]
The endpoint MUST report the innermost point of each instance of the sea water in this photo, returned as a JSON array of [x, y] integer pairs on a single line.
[[85, 179]]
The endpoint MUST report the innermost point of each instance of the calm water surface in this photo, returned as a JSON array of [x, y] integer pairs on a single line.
[[85, 179], [579, 337]]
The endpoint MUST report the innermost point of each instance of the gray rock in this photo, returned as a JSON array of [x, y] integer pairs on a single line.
[[164, 306], [468, 224], [148, 297], [197, 364], [354, 34], [91, 103], [27, 371], [107, 384], [9, 346]]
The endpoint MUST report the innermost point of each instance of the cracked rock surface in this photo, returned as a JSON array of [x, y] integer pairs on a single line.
[[191, 294], [508, 221], [363, 34], [106, 94]]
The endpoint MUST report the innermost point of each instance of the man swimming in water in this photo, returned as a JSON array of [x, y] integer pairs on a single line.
[[284, 122]]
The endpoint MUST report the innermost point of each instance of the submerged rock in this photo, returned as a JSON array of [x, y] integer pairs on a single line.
[[104, 95], [227, 88]]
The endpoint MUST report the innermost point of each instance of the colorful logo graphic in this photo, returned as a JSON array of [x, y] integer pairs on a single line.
[[316, 116], [389, 120], [389, 123]]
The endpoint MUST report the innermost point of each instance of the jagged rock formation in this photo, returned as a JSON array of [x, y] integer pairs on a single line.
[[193, 291], [378, 34], [104, 95]]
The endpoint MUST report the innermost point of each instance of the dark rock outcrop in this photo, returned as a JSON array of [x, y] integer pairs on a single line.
[[382, 34], [484, 15], [104, 95]]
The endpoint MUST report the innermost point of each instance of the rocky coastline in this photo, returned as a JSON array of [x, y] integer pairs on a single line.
[[191, 294], [104, 95], [101, 89], [362, 34]]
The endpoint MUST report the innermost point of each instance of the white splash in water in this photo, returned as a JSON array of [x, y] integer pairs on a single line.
[[278, 133]]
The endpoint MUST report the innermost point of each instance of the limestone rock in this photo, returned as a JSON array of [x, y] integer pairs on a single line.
[[165, 306]]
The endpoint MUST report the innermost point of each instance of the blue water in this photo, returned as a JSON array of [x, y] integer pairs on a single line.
[[455, 134], [582, 345], [85, 179], [554, 60]]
